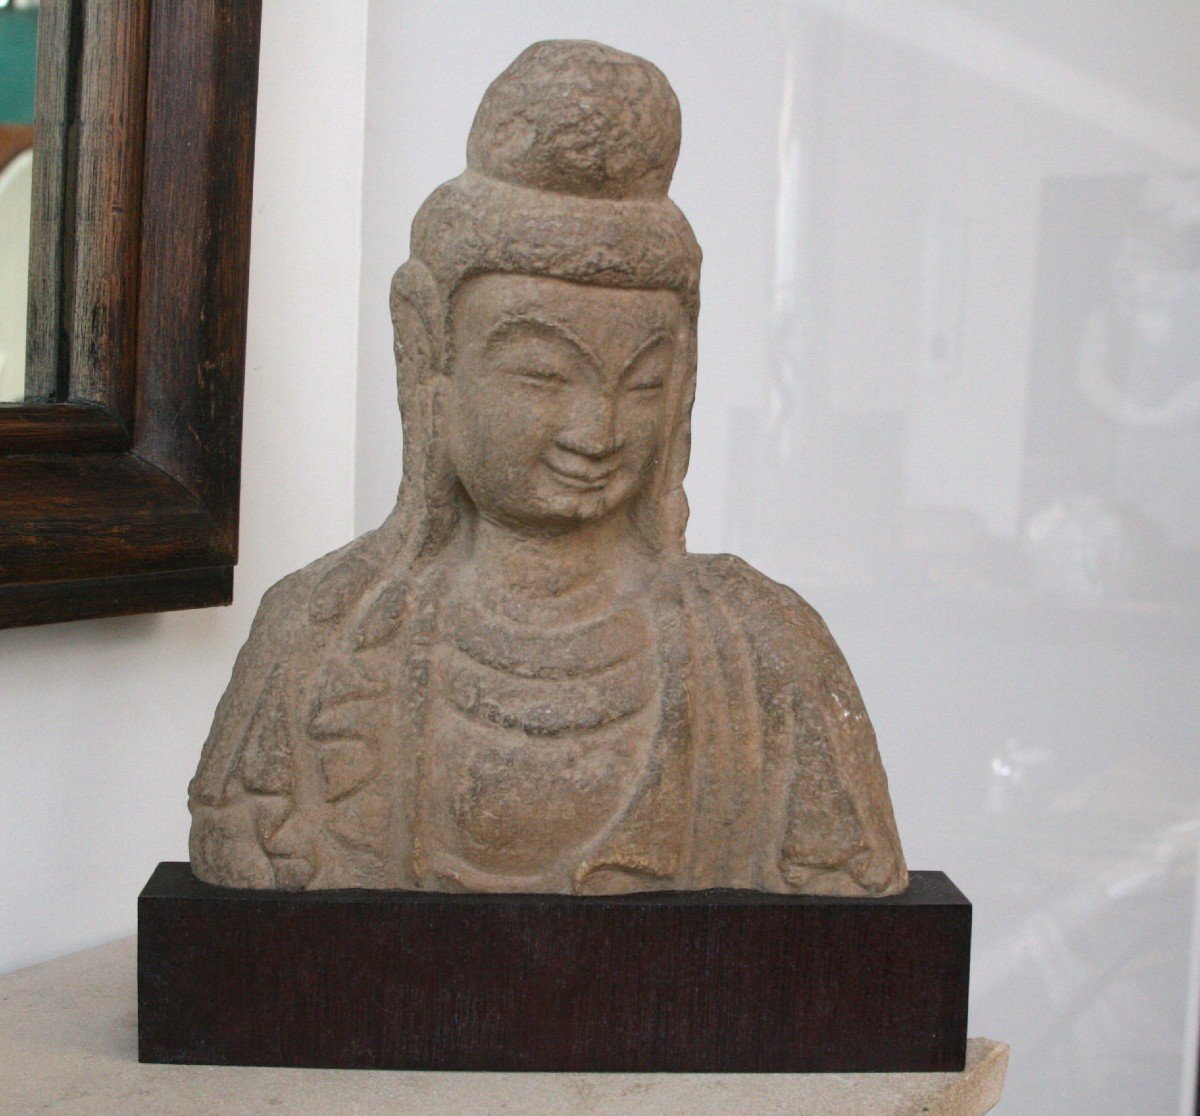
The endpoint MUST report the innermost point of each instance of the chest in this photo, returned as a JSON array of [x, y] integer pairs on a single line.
[[538, 739]]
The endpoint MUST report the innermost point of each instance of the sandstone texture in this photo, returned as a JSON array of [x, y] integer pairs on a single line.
[[522, 681]]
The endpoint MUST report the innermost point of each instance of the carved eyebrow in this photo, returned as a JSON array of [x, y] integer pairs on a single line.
[[525, 323], [658, 337]]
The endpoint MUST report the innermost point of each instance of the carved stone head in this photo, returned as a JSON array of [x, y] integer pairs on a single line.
[[545, 322]]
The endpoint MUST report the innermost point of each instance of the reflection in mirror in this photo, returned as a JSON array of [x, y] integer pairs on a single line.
[[18, 53]]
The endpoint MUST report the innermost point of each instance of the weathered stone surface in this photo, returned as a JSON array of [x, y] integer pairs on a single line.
[[522, 681]]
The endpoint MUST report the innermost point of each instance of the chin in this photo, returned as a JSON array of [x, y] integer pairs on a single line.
[[575, 509]]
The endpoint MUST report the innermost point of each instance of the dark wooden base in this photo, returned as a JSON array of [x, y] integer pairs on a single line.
[[728, 981]]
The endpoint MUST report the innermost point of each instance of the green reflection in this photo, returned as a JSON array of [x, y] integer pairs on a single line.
[[18, 57]]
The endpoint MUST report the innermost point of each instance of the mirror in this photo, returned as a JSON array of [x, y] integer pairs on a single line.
[[120, 444], [18, 57]]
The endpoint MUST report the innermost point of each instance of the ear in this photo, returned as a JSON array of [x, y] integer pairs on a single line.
[[418, 324], [428, 494], [661, 511]]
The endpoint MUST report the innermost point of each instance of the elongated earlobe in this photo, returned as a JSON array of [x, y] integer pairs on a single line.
[[417, 330], [418, 323], [429, 503]]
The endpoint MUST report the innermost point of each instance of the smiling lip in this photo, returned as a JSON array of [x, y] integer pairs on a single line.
[[585, 482]]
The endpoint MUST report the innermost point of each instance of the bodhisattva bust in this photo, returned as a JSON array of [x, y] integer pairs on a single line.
[[522, 682]]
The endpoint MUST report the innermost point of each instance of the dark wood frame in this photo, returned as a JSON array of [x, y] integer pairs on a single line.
[[119, 479]]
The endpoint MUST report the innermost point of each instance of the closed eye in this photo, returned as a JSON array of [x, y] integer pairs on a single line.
[[541, 377], [647, 371]]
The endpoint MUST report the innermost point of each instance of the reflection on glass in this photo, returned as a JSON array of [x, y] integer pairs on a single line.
[[1112, 502], [983, 400], [949, 349], [18, 54]]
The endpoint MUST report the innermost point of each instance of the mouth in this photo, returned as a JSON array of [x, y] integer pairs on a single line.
[[582, 480]]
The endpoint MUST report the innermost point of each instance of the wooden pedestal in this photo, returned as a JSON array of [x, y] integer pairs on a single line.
[[729, 981]]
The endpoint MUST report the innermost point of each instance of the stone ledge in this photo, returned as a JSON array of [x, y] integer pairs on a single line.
[[68, 1044]]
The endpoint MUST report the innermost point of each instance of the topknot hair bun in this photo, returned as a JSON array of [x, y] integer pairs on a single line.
[[578, 118]]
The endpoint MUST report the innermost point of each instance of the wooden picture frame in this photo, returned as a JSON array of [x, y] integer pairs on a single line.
[[120, 474]]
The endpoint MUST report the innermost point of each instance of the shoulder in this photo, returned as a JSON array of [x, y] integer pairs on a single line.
[[769, 611], [323, 591], [302, 613], [296, 619]]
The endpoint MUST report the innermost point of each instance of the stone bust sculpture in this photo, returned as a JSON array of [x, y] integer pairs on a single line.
[[522, 682]]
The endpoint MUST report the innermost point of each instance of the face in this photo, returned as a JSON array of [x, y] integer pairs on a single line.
[[555, 401]]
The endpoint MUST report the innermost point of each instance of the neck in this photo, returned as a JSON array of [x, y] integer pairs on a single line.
[[537, 577]]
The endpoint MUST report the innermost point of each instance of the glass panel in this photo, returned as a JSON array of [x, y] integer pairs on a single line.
[[18, 55], [949, 390], [979, 440]]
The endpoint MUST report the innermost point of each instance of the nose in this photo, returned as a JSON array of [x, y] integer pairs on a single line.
[[593, 431]]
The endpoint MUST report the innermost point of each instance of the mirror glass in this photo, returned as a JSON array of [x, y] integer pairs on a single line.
[[18, 54]]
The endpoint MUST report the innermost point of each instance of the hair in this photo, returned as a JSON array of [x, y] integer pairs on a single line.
[[568, 163]]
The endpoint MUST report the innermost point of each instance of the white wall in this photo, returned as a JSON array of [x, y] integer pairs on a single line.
[[101, 721], [910, 211]]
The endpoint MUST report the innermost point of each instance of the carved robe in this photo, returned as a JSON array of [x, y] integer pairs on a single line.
[[745, 757]]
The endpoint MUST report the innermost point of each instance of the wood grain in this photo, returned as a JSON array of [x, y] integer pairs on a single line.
[[199, 156], [146, 116], [730, 981], [108, 205], [55, 105], [133, 517], [59, 428], [48, 602]]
